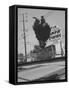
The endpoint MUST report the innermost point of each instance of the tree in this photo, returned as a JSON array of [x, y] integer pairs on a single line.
[[42, 32]]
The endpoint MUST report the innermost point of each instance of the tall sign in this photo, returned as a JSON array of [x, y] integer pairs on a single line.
[[55, 34]]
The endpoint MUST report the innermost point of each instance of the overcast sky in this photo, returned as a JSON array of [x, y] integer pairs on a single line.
[[54, 18]]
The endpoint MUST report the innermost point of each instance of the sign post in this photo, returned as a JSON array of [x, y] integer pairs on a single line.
[[56, 36]]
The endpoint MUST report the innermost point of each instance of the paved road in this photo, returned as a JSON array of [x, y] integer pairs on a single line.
[[32, 72]]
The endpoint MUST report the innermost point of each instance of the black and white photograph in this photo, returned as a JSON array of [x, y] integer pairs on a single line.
[[41, 45]]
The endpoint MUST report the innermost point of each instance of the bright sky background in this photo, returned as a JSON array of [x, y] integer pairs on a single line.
[[55, 17]]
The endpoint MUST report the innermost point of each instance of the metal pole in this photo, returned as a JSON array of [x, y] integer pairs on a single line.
[[24, 39]]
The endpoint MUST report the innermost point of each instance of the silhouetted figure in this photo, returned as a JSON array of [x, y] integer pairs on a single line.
[[42, 20]]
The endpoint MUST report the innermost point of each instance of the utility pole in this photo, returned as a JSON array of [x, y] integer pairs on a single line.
[[24, 39]]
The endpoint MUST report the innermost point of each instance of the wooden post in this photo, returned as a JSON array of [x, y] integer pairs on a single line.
[[53, 52], [61, 49]]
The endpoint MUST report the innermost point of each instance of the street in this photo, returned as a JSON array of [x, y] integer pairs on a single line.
[[34, 72]]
